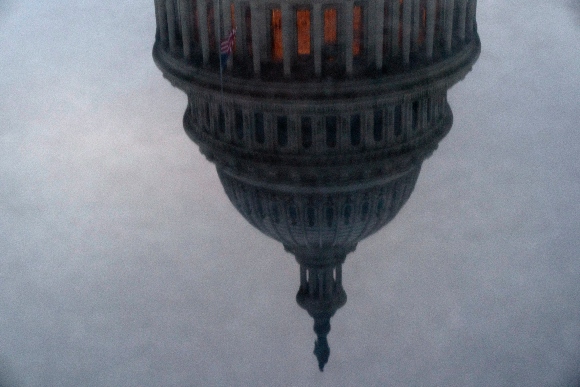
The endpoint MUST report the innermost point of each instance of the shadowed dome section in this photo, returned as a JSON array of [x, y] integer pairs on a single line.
[[309, 222]]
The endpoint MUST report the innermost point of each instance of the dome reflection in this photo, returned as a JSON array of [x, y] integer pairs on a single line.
[[318, 131]]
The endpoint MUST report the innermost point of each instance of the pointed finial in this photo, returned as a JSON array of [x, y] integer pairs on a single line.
[[322, 352]]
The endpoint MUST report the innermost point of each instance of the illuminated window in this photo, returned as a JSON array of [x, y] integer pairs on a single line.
[[303, 31], [276, 27], [357, 29], [330, 31]]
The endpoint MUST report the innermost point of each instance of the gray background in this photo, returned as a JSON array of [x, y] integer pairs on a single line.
[[122, 263]]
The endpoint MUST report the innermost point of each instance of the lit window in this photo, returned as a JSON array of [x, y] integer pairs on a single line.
[[330, 31], [276, 26], [303, 29], [357, 29]]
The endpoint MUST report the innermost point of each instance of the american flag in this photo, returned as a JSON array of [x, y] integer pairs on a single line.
[[227, 45]]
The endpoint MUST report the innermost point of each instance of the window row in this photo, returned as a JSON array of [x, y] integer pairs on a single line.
[[317, 37], [371, 128]]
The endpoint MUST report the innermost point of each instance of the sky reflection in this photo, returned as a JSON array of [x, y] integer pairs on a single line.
[[117, 269]]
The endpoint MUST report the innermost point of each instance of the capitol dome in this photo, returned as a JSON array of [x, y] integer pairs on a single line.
[[317, 114]]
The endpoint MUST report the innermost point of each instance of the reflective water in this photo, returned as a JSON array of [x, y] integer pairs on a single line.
[[123, 261]]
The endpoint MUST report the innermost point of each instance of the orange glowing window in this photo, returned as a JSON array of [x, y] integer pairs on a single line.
[[233, 15], [276, 27], [357, 26], [303, 31], [330, 31]]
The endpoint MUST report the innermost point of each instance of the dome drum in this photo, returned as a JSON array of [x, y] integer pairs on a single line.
[[304, 39], [346, 127], [319, 119]]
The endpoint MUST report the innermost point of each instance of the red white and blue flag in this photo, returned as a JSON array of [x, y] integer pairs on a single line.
[[226, 47]]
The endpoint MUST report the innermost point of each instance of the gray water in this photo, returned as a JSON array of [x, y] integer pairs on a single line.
[[122, 262]]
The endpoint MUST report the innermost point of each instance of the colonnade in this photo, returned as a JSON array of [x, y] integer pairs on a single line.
[[393, 31], [294, 131]]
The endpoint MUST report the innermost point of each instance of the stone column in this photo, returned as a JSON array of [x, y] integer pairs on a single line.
[[395, 15], [171, 26], [287, 35], [461, 20], [348, 25], [161, 15], [185, 28], [240, 48], [256, 41], [317, 37], [203, 32], [406, 31], [430, 33], [379, 13], [449, 25]]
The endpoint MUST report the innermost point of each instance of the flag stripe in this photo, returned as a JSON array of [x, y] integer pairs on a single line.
[[227, 45]]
